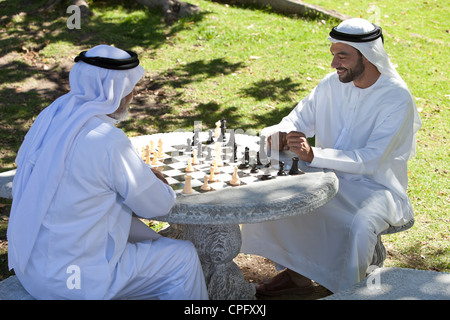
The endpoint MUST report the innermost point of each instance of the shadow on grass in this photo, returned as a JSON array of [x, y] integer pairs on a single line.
[[29, 85]]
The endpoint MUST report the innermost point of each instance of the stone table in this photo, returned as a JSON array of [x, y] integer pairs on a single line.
[[211, 220]]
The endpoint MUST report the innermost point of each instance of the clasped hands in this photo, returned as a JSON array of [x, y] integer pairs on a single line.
[[294, 141]]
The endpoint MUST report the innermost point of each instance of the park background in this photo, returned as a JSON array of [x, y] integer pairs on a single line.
[[245, 63]]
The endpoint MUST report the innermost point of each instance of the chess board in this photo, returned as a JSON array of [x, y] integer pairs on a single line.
[[174, 158]]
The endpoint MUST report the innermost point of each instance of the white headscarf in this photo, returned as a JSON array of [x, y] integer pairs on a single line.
[[41, 158], [375, 53]]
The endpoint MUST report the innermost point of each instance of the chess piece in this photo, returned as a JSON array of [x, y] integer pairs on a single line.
[[217, 130], [254, 168], [189, 167], [215, 167], [230, 142], [160, 149], [294, 168], [154, 161], [245, 164], [266, 175], [199, 149], [208, 154], [262, 148], [195, 138], [205, 186], [281, 171], [211, 177], [258, 159], [152, 147], [218, 157], [223, 126], [187, 185], [194, 157], [188, 145], [235, 178], [210, 137]]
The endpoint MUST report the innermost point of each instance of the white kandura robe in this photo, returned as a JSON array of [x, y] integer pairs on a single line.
[[88, 226], [366, 136]]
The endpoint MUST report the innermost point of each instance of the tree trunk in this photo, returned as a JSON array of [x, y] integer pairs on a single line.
[[295, 7], [84, 7], [172, 9]]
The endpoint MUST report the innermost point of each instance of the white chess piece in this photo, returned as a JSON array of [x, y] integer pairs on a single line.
[[217, 130], [235, 178], [211, 175], [189, 167], [205, 186], [160, 149], [187, 185], [194, 157]]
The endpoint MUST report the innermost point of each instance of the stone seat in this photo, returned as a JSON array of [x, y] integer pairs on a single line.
[[379, 254], [6, 179], [12, 289], [398, 284]]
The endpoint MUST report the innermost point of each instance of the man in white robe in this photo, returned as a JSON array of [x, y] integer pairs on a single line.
[[364, 120], [72, 233]]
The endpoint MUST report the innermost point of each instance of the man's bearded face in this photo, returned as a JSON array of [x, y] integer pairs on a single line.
[[348, 62], [121, 114]]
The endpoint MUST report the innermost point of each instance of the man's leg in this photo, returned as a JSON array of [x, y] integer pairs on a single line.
[[165, 269]]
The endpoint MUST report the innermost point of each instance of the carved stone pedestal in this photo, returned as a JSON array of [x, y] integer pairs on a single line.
[[217, 246]]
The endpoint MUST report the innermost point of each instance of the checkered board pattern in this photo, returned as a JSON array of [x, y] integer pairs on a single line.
[[175, 160]]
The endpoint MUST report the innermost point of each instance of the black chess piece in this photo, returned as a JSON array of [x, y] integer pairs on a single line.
[[266, 175], [210, 137], [223, 128], [258, 159], [254, 168], [281, 171], [246, 163], [294, 168], [234, 157]]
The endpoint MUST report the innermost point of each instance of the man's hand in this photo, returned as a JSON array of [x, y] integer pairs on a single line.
[[159, 175], [297, 143], [279, 141]]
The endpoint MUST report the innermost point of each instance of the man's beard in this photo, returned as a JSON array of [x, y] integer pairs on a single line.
[[353, 73], [121, 114]]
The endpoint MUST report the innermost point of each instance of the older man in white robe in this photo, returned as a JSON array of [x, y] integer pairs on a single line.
[[72, 233], [364, 120]]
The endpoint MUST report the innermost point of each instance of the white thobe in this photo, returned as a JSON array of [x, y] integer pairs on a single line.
[[366, 136], [83, 250]]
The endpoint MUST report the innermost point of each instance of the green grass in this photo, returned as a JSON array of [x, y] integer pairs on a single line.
[[248, 65]]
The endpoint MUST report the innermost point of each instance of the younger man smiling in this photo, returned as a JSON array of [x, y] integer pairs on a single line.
[[364, 120]]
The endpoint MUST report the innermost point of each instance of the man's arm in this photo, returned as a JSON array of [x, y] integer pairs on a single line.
[[144, 191]]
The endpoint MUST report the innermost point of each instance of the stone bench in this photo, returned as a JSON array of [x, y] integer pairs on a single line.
[[381, 284], [12, 289], [6, 179], [398, 284], [379, 254]]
